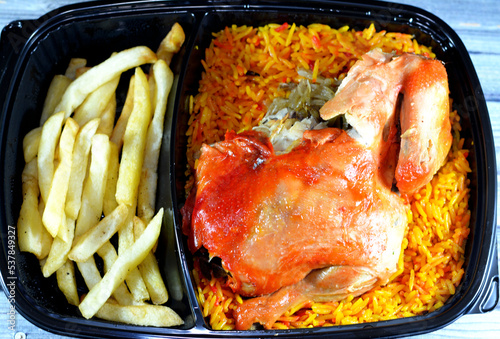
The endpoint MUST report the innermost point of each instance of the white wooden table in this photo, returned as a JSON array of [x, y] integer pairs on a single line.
[[477, 22]]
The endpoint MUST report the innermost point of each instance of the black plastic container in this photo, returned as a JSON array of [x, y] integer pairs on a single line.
[[31, 52]]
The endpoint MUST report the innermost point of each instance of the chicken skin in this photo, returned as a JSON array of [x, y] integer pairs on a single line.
[[323, 221], [274, 219]]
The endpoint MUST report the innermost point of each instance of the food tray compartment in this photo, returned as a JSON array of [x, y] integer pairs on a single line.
[[47, 53], [468, 101], [95, 30]]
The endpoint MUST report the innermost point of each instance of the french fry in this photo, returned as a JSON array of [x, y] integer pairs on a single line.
[[142, 315], [89, 272], [73, 66], [121, 124], [93, 190], [110, 203], [171, 44], [126, 233], [66, 281], [31, 142], [80, 71], [108, 254], [124, 297], [51, 131], [150, 271], [88, 243], [126, 239], [95, 103], [57, 87], [81, 151], [47, 239], [152, 88], [108, 118], [59, 250], [98, 295], [52, 218], [42, 262], [29, 224], [163, 79], [98, 75], [137, 286], [134, 142]]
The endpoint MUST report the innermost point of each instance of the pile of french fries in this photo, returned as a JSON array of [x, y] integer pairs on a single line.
[[88, 178]]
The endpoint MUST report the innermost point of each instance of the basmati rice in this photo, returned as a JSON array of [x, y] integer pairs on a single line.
[[243, 69]]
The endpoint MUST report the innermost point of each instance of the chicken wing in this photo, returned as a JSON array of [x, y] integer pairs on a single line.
[[368, 97]]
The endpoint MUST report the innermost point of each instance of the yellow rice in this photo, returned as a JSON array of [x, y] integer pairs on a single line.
[[431, 265]]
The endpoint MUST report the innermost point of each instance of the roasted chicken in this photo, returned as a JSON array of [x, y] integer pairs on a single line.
[[324, 220]]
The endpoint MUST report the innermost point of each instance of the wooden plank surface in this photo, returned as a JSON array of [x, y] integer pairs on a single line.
[[478, 25]]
